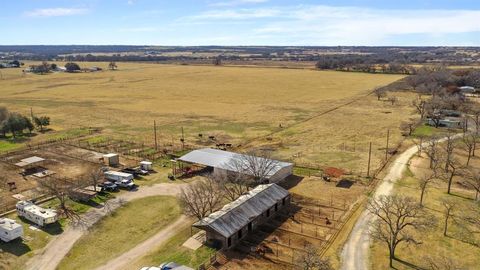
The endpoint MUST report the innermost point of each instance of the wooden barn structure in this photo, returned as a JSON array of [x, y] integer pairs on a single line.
[[226, 227]]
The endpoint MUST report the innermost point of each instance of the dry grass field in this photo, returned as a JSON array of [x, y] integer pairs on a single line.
[[235, 104], [459, 246]]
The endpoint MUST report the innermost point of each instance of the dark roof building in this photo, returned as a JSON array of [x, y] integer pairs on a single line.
[[235, 220]]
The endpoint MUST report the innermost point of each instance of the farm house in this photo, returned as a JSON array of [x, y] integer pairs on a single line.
[[226, 227], [224, 161]]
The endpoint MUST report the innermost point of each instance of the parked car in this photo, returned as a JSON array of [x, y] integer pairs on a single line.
[[128, 184], [108, 186]]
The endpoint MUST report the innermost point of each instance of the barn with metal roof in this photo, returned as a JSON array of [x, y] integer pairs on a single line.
[[228, 161], [228, 226]]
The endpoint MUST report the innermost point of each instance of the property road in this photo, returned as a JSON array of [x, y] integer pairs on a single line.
[[139, 251], [355, 253], [58, 248]]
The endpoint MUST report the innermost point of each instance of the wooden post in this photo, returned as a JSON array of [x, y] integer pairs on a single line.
[[183, 140], [369, 159], [155, 133], [386, 149]]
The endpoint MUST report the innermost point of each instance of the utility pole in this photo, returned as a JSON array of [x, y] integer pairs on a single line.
[[183, 140], [155, 133], [369, 159], [386, 149]]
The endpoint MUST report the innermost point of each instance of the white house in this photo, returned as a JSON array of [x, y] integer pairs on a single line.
[[36, 214], [10, 230]]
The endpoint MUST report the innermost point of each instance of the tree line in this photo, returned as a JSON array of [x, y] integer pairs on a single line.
[[16, 124]]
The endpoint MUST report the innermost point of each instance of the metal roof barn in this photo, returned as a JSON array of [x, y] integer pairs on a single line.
[[237, 214], [223, 160]]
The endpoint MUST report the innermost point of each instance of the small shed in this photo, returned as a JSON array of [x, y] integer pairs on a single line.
[[146, 165], [228, 226], [111, 159], [82, 195], [30, 162]]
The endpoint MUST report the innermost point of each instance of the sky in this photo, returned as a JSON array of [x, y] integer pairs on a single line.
[[241, 22]]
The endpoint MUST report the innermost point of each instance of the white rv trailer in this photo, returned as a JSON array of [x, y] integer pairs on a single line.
[[10, 230], [36, 214]]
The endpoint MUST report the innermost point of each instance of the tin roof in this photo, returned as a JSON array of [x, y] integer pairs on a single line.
[[237, 214], [224, 160], [28, 161]]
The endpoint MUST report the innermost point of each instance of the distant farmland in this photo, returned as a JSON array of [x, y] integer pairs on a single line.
[[236, 104]]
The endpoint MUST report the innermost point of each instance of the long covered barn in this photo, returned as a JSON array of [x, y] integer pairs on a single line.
[[226, 227], [228, 161]]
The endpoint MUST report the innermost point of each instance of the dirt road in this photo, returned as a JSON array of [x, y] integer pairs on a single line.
[[355, 253], [140, 250], [57, 249]]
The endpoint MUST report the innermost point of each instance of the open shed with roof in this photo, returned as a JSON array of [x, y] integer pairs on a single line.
[[226, 227], [228, 161]]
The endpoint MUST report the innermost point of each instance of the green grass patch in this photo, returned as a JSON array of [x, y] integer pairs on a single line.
[[428, 131], [173, 251], [306, 171], [127, 227]]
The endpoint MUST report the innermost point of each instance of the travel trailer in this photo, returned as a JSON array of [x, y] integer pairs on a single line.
[[36, 214], [10, 230]]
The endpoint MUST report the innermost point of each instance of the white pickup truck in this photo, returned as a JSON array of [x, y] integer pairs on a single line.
[[121, 179]]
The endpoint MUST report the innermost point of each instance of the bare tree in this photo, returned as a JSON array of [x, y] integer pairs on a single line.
[[420, 144], [233, 184], [96, 177], [455, 170], [448, 208], [258, 165], [393, 100], [420, 107], [423, 184], [397, 219], [449, 147], [469, 141], [201, 198], [311, 260], [408, 127], [473, 180], [442, 262], [433, 152], [112, 65], [380, 92], [61, 189]]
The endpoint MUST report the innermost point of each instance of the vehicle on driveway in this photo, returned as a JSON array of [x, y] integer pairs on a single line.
[[108, 186]]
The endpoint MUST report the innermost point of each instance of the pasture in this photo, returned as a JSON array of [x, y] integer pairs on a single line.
[[239, 105]]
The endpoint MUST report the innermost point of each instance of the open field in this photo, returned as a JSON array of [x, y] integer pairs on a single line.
[[461, 247], [235, 104], [127, 227]]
